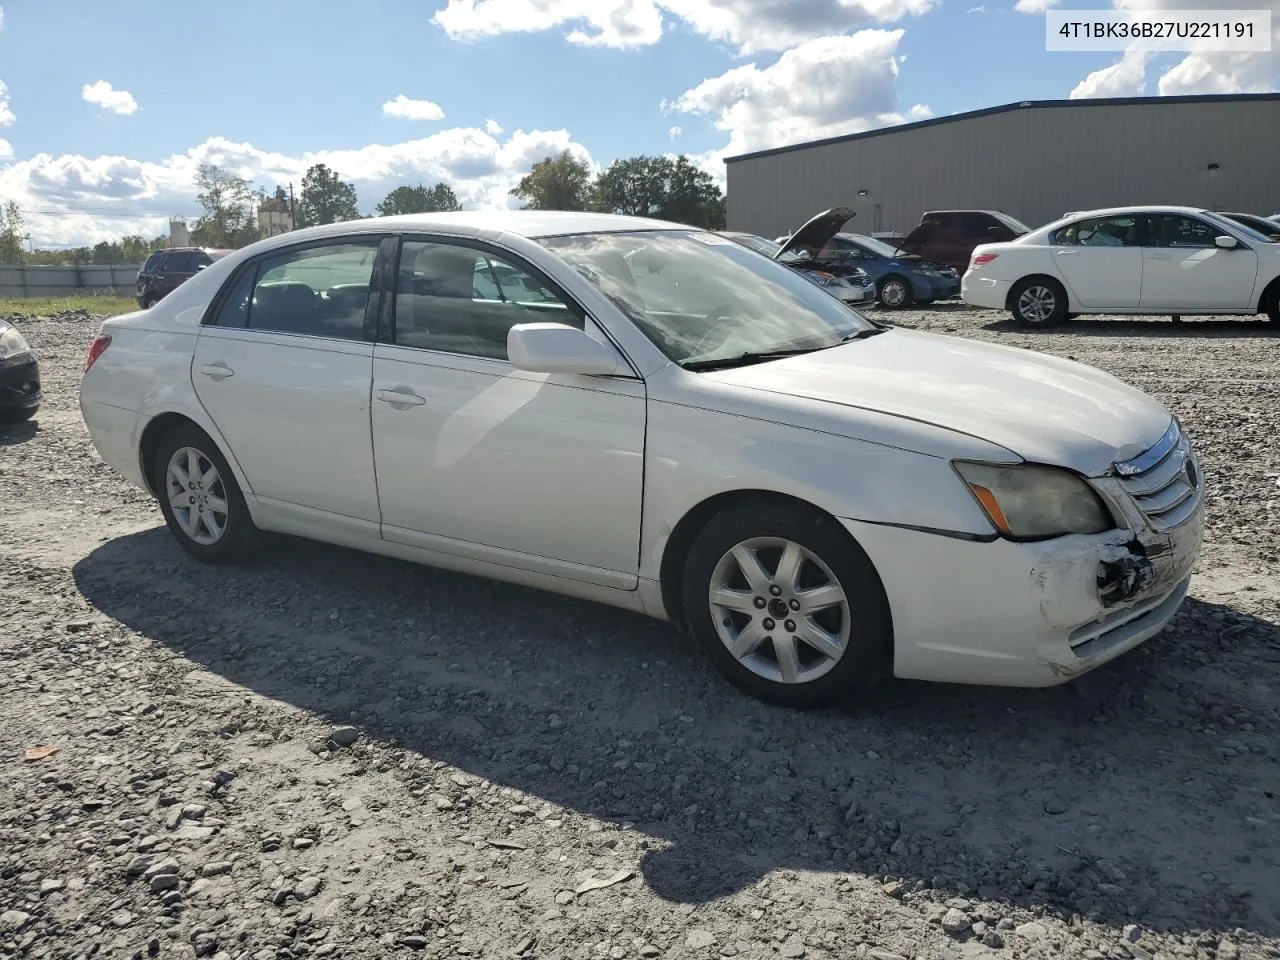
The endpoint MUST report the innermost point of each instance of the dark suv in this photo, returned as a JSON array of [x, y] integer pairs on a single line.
[[166, 269], [949, 236]]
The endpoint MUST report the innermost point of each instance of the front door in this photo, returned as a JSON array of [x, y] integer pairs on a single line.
[[284, 371], [1184, 269], [1100, 260], [477, 459]]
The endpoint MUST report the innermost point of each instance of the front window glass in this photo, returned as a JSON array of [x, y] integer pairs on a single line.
[[1100, 232], [1175, 230], [701, 297]]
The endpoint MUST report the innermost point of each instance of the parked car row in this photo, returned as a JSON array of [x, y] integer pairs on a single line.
[[656, 417], [1148, 260]]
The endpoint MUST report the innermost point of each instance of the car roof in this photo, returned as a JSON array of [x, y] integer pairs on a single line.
[[525, 223]]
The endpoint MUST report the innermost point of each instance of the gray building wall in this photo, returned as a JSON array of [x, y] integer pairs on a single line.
[[1036, 162], [57, 281]]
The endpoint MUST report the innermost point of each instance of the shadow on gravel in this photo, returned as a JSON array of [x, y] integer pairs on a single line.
[[12, 434], [1090, 798], [1236, 328]]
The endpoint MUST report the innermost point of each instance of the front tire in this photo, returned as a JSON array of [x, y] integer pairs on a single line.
[[11, 417], [786, 606], [1038, 302], [1273, 305], [200, 499], [894, 293]]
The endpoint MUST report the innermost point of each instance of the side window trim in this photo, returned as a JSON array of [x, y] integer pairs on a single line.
[[372, 304]]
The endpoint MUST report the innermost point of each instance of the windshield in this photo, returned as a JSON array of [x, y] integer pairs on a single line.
[[878, 247], [758, 244], [702, 297]]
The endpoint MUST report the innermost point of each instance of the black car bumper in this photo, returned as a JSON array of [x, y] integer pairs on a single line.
[[19, 383]]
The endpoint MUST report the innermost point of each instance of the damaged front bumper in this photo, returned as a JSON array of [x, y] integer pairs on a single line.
[[1032, 614]]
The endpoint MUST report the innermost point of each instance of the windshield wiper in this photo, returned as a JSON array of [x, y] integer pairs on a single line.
[[763, 356], [743, 359]]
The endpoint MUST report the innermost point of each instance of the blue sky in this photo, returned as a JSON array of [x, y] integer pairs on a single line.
[[109, 107]]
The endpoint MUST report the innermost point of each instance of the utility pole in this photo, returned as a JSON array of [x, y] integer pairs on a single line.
[[293, 211]]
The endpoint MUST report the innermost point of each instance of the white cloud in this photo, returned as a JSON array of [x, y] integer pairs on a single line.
[[822, 88], [126, 195], [1200, 73], [1035, 6], [407, 109], [675, 132], [6, 114], [6, 149], [980, 8], [102, 94], [1127, 77], [749, 25], [492, 127]]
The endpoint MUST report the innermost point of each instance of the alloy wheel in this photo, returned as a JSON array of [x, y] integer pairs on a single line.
[[197, 496], [893, 294], [1037, 304], [779, 610]]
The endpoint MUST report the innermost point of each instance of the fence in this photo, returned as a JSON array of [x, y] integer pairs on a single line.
[[62, 281]]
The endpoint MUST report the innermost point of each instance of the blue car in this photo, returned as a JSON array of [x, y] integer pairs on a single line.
[[900, 279]]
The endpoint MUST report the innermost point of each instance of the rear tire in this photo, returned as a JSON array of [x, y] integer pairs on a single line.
[[200, 499], [1038, 302], [894, 293], [797, 600]]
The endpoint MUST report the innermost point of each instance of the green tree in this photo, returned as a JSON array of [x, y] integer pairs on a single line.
[[662, 188], [325, 198], [229, 220], [11, 233], [419, 199], [556, 183]]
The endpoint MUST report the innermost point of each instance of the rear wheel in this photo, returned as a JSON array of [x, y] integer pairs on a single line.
[[200, 498], [1038, 302], [786, 605], [894, 293], [1273, 305]]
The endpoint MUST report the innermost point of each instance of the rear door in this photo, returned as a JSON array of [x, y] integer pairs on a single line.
[[1100, 261], [1183, 268], [284, 369], [177, 267]]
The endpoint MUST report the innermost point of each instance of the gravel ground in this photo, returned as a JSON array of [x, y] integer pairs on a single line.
[[329, 754]]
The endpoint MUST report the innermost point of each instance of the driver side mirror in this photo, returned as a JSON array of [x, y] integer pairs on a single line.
[[559, 348], [1226, 243]]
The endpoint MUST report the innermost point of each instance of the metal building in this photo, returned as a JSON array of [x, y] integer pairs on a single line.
[[1035, 160]]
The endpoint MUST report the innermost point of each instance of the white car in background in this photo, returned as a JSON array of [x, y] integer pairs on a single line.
[[653, 416], [1130, 260]]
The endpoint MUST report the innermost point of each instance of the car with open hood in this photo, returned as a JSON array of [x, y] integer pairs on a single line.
[[802, 251], [902, 280], [667, 422], [20, 394]]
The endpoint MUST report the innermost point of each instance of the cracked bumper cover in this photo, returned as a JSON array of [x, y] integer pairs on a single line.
[[1027, 614]]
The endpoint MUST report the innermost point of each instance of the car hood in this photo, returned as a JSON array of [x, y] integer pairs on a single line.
[[813, 236], [1042, 408]]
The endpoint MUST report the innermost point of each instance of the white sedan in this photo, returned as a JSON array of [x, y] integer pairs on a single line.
[[546, 398], [1131, 260]]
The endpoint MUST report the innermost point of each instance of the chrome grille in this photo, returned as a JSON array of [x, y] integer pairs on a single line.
[[1164, 481]]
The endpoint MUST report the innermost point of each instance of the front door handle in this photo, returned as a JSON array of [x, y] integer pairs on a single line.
[[217, 370], [1068, 253], [401, 397], [1159, 256]]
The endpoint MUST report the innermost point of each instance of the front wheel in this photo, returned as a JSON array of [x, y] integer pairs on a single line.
[[200, 498], [894, 293], [1038, 302], [787, 606]]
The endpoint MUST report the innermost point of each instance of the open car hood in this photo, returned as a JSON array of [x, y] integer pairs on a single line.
[[813, 236]]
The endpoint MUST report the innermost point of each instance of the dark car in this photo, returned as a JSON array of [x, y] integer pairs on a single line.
[[802, 251], [1268, 228], [949, 236], [166, 269], [19, 376], [901, 279]]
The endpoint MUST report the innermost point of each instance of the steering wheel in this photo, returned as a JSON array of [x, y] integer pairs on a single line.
[[724, 312]]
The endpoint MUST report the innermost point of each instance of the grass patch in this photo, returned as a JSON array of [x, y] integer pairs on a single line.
[[110, 305]]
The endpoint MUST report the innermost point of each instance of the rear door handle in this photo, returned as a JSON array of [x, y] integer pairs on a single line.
[[1159, 256], [401, 397], [217, 370], [1068, 253]]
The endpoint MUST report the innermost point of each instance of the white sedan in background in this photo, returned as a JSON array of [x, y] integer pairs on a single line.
[[541, 397], [1131, 260]]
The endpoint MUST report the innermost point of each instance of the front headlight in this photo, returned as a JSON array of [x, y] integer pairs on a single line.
[[11, 342], [1034, 503]]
